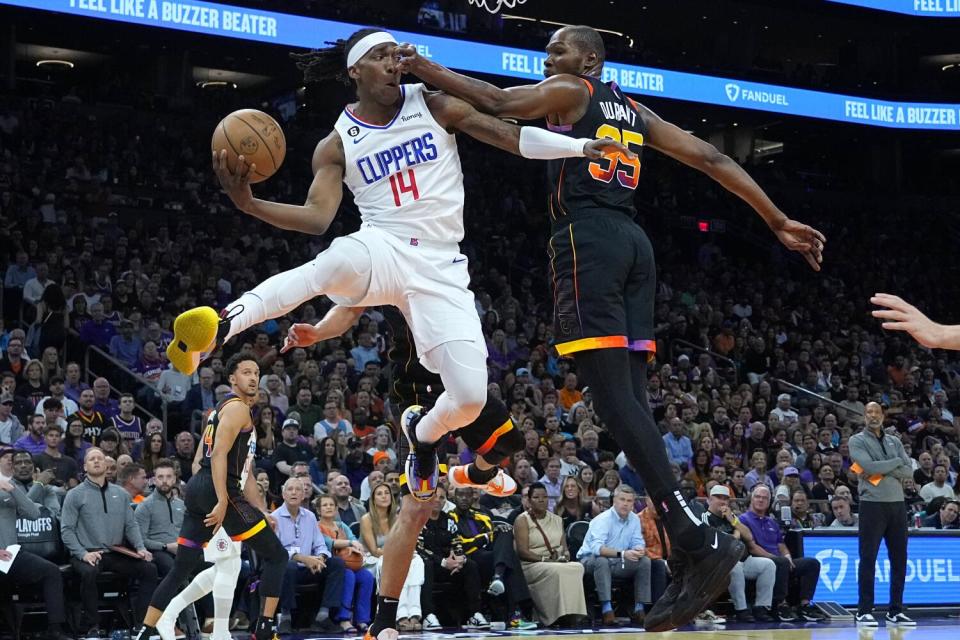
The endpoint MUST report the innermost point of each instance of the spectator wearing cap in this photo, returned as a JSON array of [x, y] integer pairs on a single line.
[[32, 441], [58, 392], [679, 447], [290, 449], [763, 570], [381, 463], [784, 411], [65, 469], [126, 346], [768, 542], [10, 427]]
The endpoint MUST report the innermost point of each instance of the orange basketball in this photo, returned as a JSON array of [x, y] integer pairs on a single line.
[[255, 136]]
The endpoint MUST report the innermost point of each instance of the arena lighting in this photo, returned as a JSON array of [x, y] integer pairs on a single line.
[[216, 19], [927, 8], [216, 84], [56, 63]]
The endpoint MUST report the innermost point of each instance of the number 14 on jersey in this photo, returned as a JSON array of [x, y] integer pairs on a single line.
[[401, 185]]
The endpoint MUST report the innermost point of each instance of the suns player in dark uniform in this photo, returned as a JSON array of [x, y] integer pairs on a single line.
[[493, 436], [602, 267], [223, 493]]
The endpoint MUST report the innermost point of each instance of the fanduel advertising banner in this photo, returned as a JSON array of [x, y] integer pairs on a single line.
[[299, 31], [930, 8], [933, 569]]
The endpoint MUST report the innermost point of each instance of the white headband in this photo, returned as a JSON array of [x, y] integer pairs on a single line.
[[366, 43]]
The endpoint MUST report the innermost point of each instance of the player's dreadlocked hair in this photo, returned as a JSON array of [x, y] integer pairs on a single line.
[[329, 63]]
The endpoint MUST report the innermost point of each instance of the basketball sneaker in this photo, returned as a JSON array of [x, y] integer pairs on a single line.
[[197, 333], [706, 576], [422, 466], [500, 486], [899, 619]]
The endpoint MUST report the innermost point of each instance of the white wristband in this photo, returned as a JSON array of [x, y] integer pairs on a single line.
[[540, 144]]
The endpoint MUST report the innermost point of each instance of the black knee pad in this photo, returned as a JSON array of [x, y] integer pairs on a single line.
[[493, 434]]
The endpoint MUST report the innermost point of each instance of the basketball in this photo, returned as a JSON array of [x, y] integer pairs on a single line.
[[255, 136]]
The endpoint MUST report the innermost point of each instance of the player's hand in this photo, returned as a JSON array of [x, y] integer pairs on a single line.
[[271, 521], [407, 57], [92, 558], [215, 518], [235, 184], [803, 239], [903, 316], [301, 335], [602, 147], [5, 555]]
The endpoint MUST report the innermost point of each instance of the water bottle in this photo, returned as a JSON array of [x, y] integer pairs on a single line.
[[917, 520]]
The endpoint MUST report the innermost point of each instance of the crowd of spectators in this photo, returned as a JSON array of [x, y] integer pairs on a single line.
[[761, 375]]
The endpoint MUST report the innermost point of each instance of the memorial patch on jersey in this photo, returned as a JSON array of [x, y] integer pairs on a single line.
[[380, 164]]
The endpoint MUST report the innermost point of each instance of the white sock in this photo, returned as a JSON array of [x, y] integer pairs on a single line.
[[344, 269], [463, 370]]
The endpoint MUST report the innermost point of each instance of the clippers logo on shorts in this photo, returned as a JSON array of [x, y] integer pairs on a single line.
[[405, 175]]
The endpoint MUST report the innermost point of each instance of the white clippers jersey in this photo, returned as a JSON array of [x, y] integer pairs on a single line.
[[405, 176]]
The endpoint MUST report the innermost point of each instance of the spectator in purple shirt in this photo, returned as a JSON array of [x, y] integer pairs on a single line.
[[97, 331], [768, 543], [103, 403], [310, 560], [33, 440], [73, 385]]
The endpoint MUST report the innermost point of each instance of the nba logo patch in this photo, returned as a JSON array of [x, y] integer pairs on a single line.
[[414, 242]]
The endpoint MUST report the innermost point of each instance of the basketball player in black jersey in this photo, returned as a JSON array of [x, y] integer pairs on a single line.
[[493, 436], [224, 493], [602, 267]]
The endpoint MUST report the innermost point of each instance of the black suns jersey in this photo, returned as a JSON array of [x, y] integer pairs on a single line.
[[243, 449], [580, 185]]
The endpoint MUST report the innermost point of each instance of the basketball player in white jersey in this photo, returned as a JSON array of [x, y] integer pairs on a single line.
[[394, 151]]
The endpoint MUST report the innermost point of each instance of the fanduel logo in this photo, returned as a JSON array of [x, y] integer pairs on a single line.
[[735, 93], [827, 567]]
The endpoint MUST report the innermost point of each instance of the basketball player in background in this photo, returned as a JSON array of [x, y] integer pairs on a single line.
[[394, 150], [903, 316], [224, 493], [493, 436], [604, 276]]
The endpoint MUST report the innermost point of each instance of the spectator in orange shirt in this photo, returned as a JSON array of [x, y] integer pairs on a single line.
[[569, 394], [658, 548]]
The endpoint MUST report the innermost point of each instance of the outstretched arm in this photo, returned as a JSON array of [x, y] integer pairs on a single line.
[[529, 142], [558, 94], [903, 316], [335, 323], [703, 156], [323, 198]]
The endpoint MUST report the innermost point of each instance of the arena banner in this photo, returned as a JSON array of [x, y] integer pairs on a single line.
[[301, 31], [933, 568], [928, 8]]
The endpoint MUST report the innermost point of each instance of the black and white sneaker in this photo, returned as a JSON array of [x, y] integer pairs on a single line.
[[866, 620], [477, 621], [899, 619], [810, 613]]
